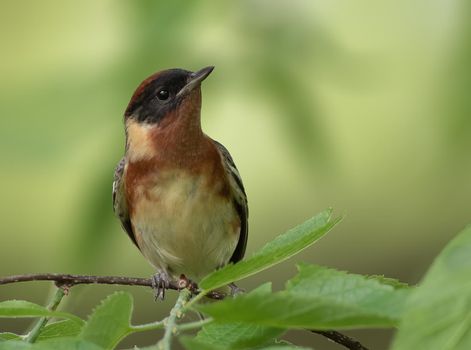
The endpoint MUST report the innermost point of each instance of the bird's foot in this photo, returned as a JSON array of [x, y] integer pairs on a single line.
[[235, 290], [160, 283]]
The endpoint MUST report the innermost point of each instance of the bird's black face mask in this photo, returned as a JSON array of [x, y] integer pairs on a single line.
[[157, 96], [163, 92]]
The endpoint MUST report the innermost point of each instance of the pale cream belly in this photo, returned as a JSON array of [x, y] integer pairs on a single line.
[[184, 227]]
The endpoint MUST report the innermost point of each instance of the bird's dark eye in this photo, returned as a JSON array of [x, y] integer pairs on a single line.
[[163, 95]]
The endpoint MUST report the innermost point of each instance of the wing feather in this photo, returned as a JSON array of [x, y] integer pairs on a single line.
[[119, 201], [240, 201]]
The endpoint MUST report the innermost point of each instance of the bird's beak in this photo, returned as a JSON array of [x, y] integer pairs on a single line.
[[195, 79]]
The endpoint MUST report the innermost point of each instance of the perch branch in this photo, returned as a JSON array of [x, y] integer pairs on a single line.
[[67, 281]]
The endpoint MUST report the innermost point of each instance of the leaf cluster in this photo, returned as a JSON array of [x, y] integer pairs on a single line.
[[433, 315]]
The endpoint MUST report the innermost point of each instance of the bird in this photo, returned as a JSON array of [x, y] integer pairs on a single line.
[[176, 191]]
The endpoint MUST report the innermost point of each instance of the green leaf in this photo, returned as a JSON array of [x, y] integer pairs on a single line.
[[9, 336], [233, 336], [58, 344], [197, 344], [391, 281], [110, 321], [236, 336], [193, 344], [274, 252], [438, 313], [283, 347], [383, 297], [317, 298], [61, 329], [22, 308]]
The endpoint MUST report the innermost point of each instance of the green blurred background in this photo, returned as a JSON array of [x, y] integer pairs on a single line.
[[363, 106]]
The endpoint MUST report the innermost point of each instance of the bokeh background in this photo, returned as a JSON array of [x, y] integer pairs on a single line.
[[363, 106]]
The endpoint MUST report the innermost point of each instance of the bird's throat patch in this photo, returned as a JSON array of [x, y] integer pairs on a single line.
[[139, 141]]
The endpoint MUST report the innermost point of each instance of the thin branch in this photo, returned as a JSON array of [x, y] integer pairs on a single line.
[[171, 320], [73, 280], [68, 281], [41, 323], [341, 339]]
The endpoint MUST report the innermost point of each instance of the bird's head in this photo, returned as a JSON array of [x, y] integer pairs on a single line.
[[165, 95]]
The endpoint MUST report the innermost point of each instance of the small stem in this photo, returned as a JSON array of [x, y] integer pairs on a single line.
[[148, 326], [41, 323], [195, 299], [170, 322], [193, 325]]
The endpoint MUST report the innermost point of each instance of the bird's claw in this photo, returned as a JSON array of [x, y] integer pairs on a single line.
[[160, 283]]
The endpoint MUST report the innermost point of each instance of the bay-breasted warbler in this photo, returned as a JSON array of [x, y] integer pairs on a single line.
[[176, 191]]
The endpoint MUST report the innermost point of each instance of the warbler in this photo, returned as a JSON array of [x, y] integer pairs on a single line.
[[176, 191]]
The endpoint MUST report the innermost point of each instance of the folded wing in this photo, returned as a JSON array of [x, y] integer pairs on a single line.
[[240, 201], [119, 201]]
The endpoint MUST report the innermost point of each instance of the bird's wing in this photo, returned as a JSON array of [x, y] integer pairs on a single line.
[[119, 201], [240, 201]]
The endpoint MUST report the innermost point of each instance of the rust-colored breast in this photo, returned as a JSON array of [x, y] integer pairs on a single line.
[[153, 153]]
